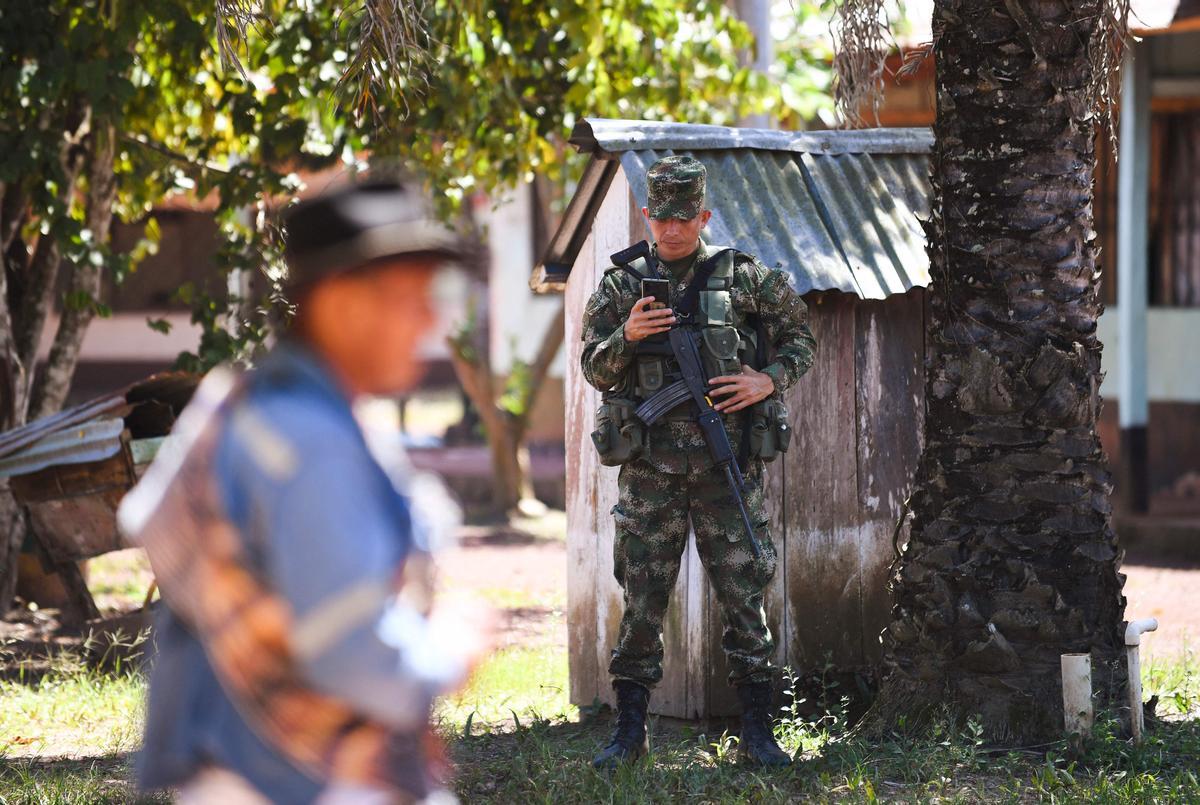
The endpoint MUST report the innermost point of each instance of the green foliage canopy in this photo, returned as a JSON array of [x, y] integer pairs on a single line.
[[486, 100]]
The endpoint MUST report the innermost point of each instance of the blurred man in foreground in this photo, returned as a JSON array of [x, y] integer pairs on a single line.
[[289, 670]]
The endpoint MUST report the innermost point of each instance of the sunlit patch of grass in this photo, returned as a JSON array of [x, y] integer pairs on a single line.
[[106, 780], [1176, 683], [550, 526], [430, 412], [514, 684], [546, 758], [554, 601], [120, 579], [72, 710]]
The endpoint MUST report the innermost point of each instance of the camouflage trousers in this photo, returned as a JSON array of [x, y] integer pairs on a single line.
[[652, 515]]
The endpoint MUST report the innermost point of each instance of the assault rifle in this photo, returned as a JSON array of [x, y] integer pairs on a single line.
[[693, 385], [683, 344]]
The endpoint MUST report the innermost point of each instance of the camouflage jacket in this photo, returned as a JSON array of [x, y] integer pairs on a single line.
[[766, 293]]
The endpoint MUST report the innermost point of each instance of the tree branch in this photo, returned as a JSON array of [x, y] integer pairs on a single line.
[[175, 156]]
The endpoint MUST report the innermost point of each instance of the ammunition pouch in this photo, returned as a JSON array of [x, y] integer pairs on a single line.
[[649, 375], [720, 353], [770, 433], [619, 435]]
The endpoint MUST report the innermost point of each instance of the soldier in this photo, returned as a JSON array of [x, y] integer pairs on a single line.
[[743, 311], [280, 532]]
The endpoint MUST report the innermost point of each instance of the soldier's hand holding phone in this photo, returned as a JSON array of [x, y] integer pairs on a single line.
[[648, 317]]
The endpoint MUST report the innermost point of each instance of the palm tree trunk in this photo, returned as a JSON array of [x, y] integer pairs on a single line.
[[1012, 560]]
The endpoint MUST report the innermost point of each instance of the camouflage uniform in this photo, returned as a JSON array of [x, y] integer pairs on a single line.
[[674, 477]]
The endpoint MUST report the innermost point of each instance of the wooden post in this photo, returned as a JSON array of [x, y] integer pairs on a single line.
[[1133, 199]]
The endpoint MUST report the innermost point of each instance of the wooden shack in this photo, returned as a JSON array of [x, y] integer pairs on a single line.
[[840, 211]]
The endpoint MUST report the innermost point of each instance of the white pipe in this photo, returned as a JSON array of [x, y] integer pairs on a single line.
[[1077, 693], [1133, 638], [1133, 632]]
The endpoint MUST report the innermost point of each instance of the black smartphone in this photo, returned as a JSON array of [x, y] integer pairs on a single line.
[[659, 289]]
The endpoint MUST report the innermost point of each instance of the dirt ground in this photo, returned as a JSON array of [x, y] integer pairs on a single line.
[[1167, 590], [1154, 588], [521, 571]]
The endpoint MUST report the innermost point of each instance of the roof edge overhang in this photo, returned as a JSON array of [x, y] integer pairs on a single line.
[[550, 274], [607, 139]]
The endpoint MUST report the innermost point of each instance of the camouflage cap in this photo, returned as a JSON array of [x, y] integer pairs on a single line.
[[676, 187]]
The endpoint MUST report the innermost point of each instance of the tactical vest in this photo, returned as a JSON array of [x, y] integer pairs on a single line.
[[726, 342]]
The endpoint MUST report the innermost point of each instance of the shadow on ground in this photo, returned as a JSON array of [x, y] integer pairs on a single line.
[[550, 762], [98, 780]]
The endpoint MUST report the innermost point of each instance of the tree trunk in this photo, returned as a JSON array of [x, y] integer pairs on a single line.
[[1012, 560], [476, 381], [12, 536], [86, 279], [512, 482], [39, 274]]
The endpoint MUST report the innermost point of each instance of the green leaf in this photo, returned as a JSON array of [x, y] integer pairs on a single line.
[[159, 325]]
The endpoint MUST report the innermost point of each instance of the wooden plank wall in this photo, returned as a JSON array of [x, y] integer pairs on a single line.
[[593, 596], [834, 497]]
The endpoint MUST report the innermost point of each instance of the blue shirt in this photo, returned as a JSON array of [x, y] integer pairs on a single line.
[[327, 526]]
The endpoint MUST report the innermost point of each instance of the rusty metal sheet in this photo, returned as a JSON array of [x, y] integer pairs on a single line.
[[78, 528], [18, 439], [77, 444], [73, 507], [168, 392]]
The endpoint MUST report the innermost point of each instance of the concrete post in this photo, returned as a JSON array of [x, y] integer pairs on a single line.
[[1133, 203], [757, 16]]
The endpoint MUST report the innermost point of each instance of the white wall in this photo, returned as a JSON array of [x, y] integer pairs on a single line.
[[1173, 354], [125, 337], [518, 318]]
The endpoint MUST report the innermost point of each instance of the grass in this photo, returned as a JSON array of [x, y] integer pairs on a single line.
[[120, 579], [67, 731], [540, 752], [512, 689], [66, 735]]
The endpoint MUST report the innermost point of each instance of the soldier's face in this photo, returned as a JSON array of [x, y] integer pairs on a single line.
[[676, 237]]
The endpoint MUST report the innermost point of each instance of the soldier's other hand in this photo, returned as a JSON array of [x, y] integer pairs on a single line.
[[644, 322], [741, 390]]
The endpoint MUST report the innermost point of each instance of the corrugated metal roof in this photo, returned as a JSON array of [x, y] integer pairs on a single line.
[[838, 210], [86, 432], [17, 439], [94, 440]]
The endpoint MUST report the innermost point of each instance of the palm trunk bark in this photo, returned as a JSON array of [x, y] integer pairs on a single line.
[[1012, 560]]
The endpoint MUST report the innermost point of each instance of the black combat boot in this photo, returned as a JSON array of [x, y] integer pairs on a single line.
[[757, 745], [629, 741]]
